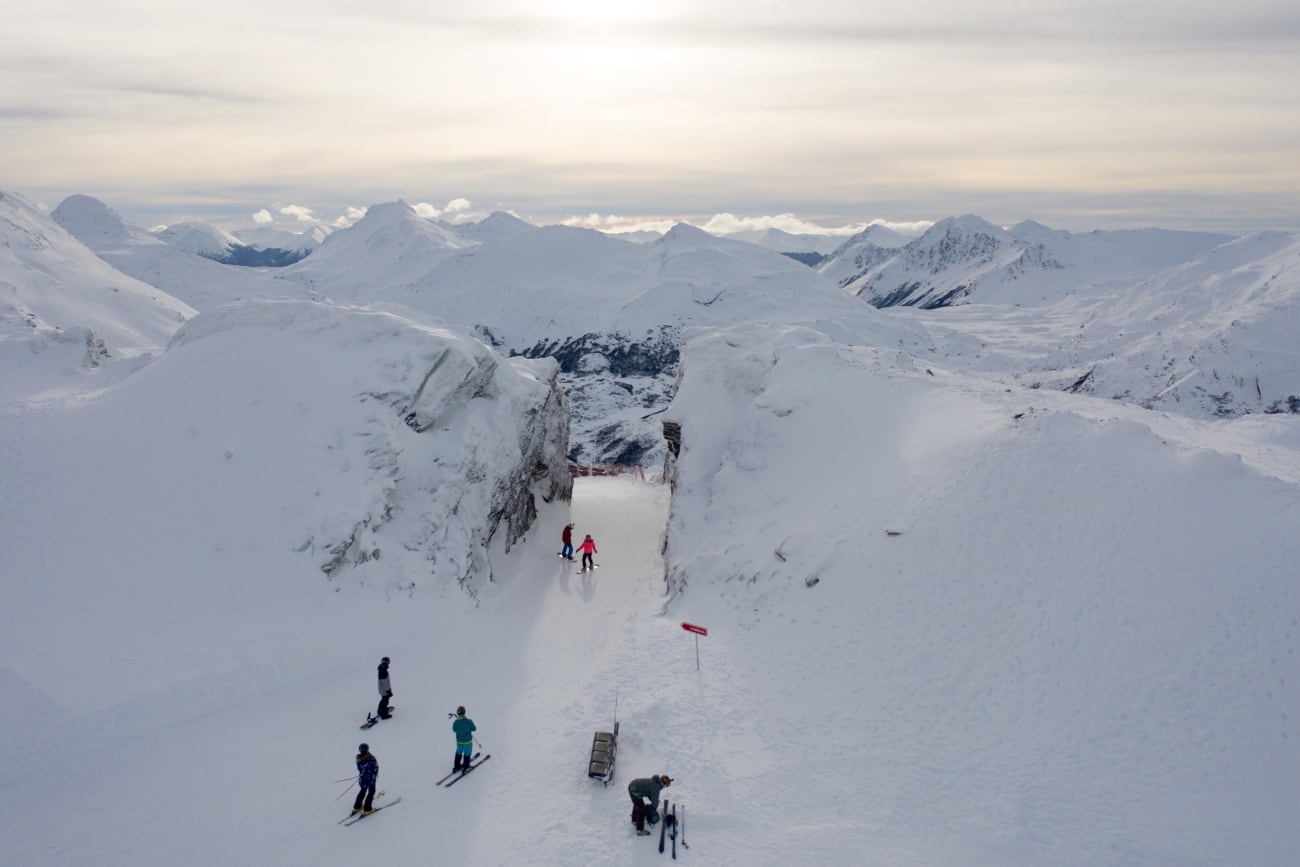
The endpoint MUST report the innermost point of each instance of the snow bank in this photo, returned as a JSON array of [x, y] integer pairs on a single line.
[[1015, 625]]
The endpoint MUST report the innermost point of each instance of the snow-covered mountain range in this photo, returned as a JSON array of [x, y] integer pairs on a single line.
[[967, 259], [610, 310], [67, 317], [1021, 564], [279, 248]]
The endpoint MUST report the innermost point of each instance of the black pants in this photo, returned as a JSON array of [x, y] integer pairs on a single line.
[[365, 798], [638, 811], [383, 705], [586, 562]]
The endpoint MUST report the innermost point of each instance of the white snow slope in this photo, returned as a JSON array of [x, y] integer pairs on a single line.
[[1077, 649], [68, 319]]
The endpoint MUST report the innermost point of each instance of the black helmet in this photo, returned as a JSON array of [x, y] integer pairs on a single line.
[[364, 748], [384, 660], [460, 711]]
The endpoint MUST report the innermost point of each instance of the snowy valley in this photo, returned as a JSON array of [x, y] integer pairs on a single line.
[[993, 531]]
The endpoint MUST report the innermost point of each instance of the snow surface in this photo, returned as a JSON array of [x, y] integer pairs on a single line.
[[1077, 649], [1073, 649]]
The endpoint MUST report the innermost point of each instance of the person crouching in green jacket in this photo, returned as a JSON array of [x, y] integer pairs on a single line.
[[639, 790]]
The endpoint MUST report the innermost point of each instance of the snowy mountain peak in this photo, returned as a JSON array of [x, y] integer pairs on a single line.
[[197, 237], [967, 224], [391, 241], [494, 227], [881, 235], [268, 237], [1032, 230], [64, 311], [96, 225], [394, 226], [686, 234]]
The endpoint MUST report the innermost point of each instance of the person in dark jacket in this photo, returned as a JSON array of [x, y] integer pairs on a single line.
[[567, 538], [385, 689], [367, 777], [639, 790], [464, 728], [588, 547]]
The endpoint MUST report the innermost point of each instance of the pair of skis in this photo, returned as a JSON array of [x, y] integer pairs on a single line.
[[670, 821], [456, 776], [352, 818]]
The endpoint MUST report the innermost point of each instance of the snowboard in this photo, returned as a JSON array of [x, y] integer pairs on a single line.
[[372, 720]]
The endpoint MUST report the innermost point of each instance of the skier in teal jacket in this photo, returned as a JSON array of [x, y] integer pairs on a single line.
[[464, 728]]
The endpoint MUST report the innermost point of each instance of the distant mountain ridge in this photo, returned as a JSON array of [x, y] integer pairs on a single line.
[[968, 259], [200, 281], [212, 242], [1192, 322], [609, 309]]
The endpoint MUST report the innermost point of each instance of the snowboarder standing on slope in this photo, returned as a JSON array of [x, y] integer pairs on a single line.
[[385, 689], [567, 538], [639, 790], [367, 776], [588, 547], [464, 728]]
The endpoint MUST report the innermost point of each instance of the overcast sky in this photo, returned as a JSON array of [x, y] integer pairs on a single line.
[[1097, 114]]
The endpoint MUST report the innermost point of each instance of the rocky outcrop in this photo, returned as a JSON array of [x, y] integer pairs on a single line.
[[429, 449]]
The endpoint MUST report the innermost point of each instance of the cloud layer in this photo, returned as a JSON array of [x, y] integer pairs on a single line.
[[1079, 114]]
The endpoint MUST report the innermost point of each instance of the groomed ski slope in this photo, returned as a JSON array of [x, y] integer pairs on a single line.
[[537, 664]]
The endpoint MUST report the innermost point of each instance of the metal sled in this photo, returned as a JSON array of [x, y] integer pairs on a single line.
[[604, 747]]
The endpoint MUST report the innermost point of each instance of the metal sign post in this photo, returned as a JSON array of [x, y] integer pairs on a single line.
[[698, 630]]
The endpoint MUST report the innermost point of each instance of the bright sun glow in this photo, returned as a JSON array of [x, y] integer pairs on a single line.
[[601, 11]]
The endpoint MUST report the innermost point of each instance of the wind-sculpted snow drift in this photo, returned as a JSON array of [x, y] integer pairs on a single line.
[[440, 443], [1039, 618]]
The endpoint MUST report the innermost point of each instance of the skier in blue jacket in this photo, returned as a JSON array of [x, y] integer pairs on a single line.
[[464, 728], [367, 777]]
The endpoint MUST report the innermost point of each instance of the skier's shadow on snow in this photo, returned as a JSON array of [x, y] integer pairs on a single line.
[[585, 586]]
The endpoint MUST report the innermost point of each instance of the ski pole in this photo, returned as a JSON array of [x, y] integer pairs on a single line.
[[345, 791], [344, 780], [685, 845]]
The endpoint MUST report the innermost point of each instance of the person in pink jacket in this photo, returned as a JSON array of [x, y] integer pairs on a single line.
[[588, 548]]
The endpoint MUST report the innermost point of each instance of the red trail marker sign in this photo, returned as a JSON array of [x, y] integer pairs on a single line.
[[698, 630]]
